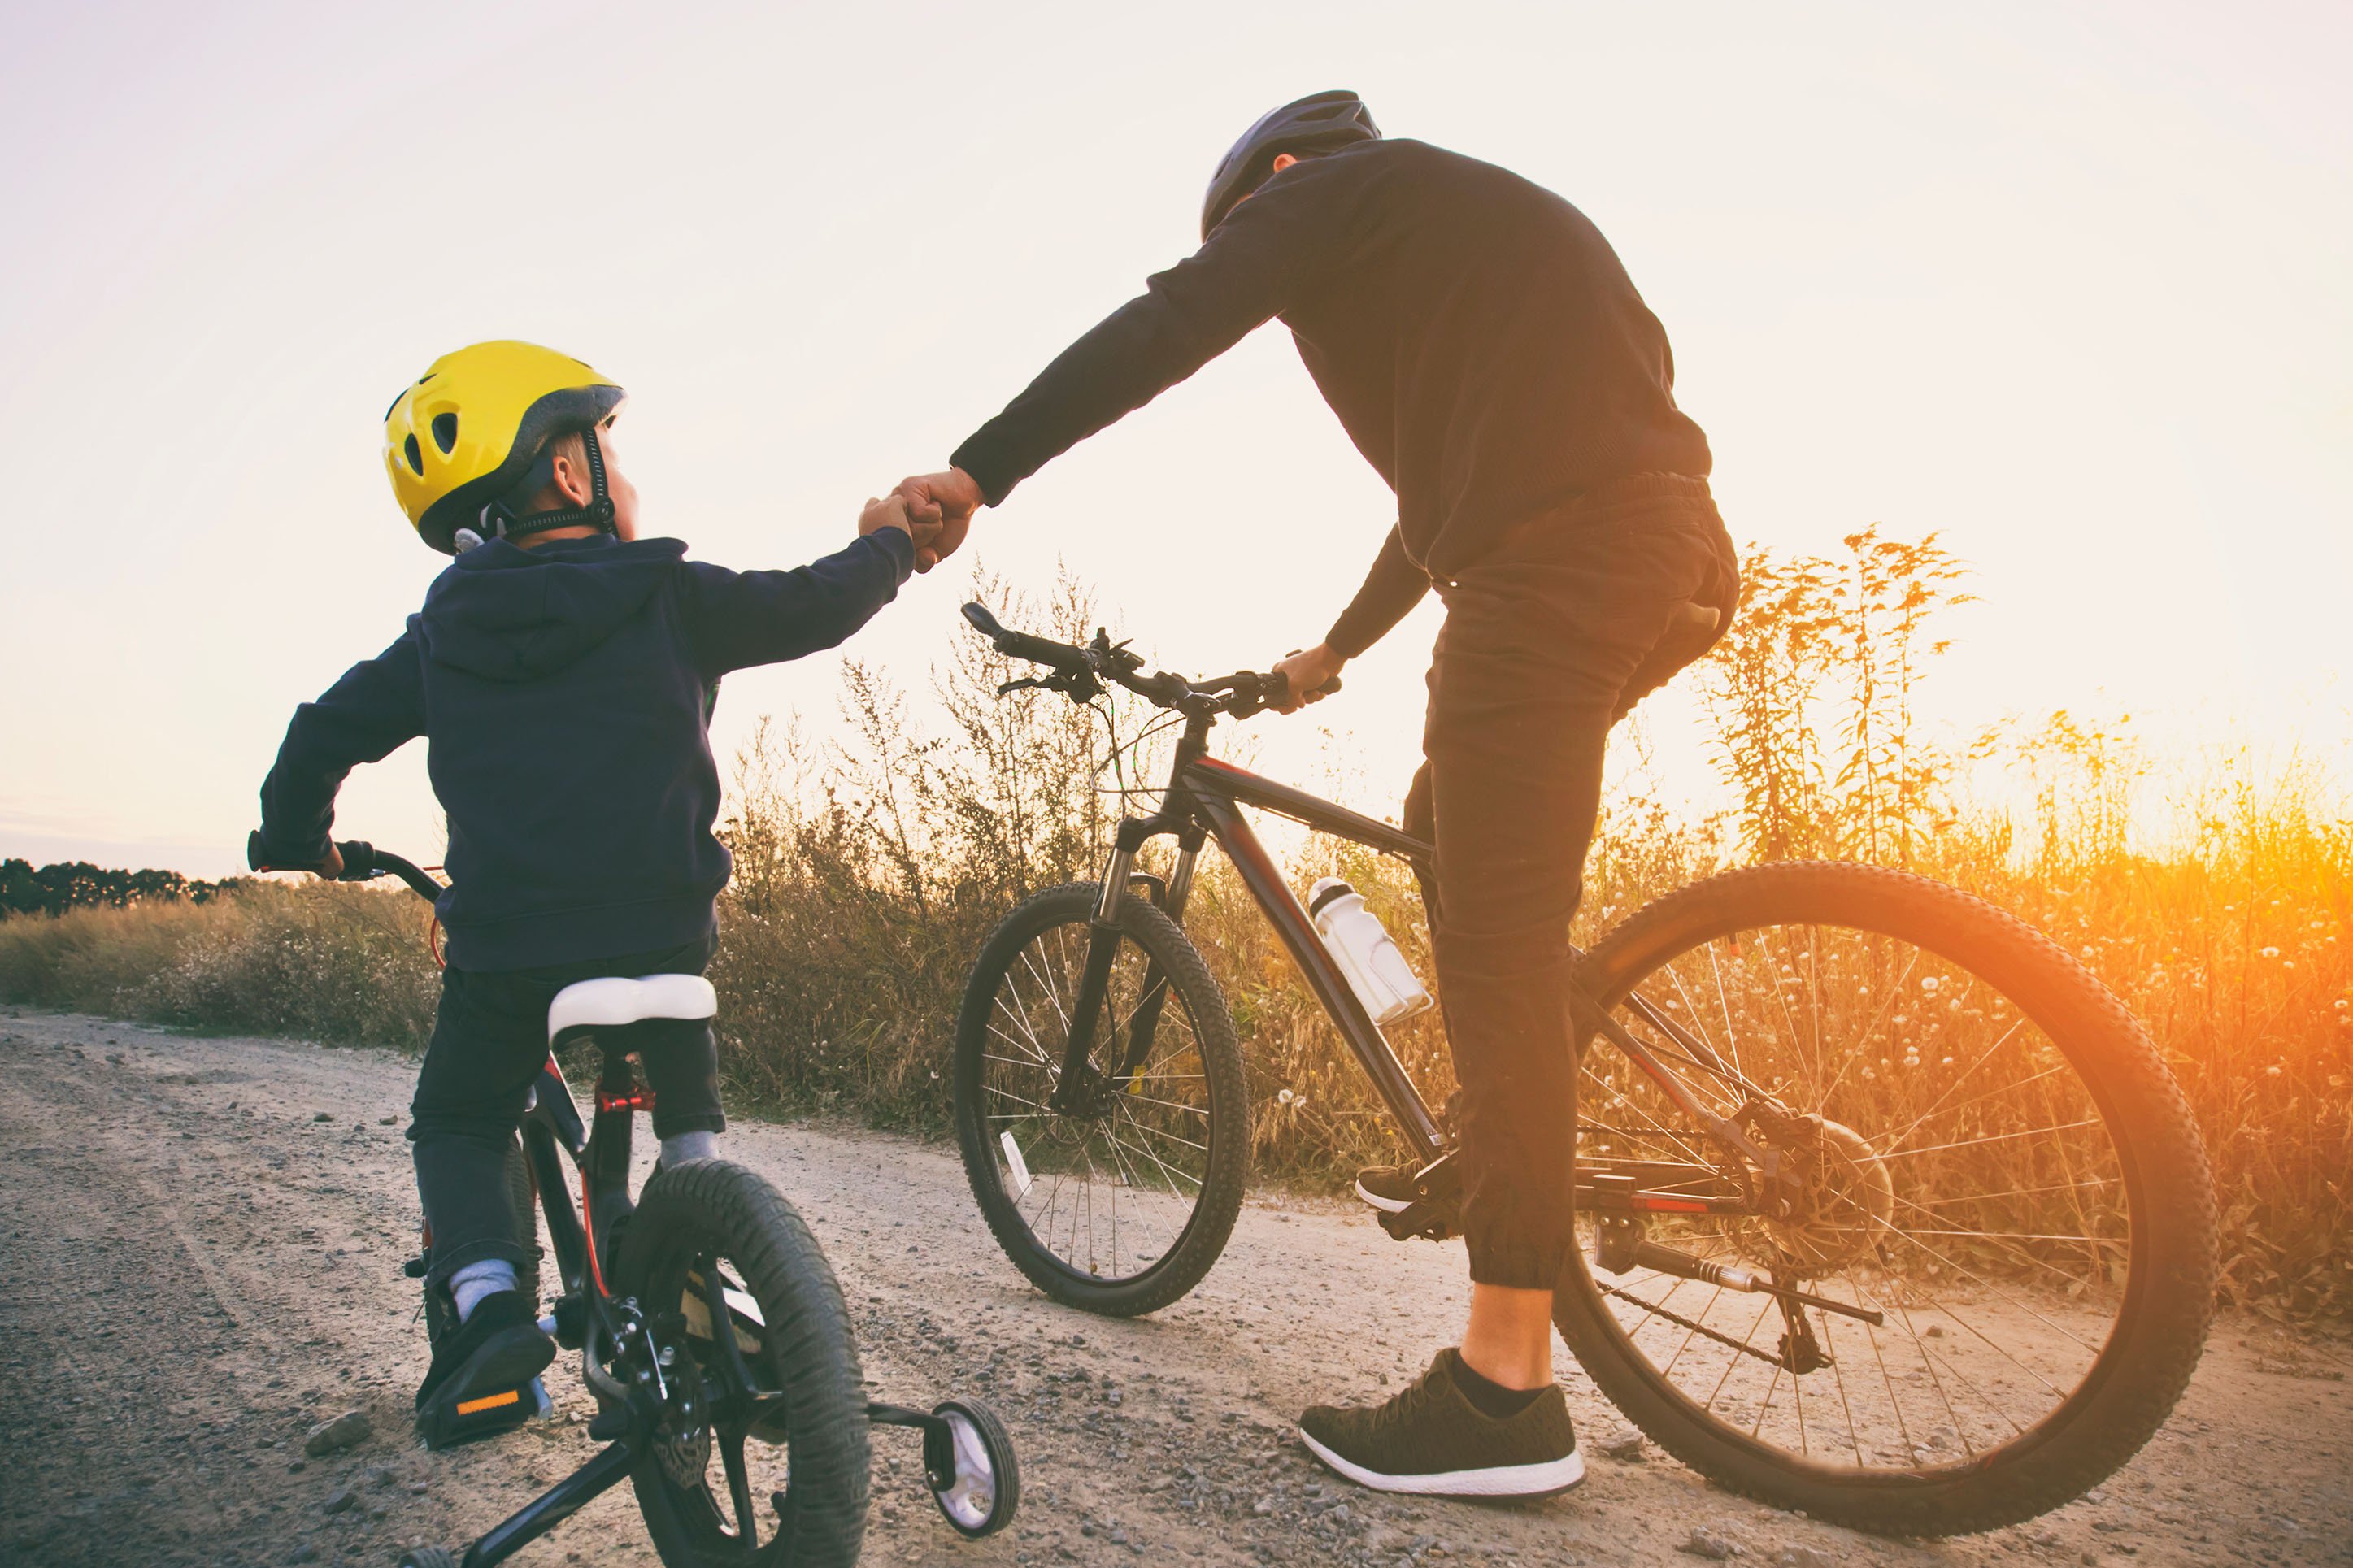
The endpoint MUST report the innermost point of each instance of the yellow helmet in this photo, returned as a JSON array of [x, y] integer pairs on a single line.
[[462, 444]]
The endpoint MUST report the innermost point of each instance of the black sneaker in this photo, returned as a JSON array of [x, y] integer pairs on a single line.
[[483, 1380], [1393, 1189], [1431, 1439]]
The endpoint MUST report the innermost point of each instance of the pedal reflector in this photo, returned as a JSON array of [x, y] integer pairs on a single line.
[[1020, 1166], [489, 1402]]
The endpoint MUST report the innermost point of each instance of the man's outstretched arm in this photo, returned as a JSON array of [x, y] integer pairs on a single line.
[[1249, 272]]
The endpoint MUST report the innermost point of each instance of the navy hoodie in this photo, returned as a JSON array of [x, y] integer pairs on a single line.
[[565, 693]]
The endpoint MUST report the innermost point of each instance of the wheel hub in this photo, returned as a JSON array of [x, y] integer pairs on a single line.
[[682, 1441], [1841, 1201]]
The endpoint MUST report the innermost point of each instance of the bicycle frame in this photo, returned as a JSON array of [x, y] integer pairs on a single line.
[[1204, 799]]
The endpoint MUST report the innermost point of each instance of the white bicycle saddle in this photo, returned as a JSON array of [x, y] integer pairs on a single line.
[[609, 1004]]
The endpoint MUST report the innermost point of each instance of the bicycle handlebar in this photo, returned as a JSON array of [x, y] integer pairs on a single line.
[[1080, 672], [363, 862]]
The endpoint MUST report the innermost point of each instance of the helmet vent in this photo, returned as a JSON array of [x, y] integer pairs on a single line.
[[445, 432], [416, 457]]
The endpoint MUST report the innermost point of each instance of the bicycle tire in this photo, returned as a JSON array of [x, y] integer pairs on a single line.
[[2145, 1363], [711, 1206], [1227, 1167]]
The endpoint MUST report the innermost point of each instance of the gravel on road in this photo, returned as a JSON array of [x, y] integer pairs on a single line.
[[209, 1353]]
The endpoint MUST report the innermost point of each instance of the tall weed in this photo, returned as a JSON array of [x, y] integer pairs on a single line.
[[869, 872]]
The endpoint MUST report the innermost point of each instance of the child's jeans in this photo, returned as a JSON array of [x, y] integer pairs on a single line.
[[489, 1041]]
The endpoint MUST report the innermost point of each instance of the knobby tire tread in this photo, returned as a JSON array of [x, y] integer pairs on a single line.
[[711, 1205], [1221, 1195]]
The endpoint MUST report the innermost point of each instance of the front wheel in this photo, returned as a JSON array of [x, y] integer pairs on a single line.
[[1998, 1203], [762, 1455], [1114, 1194]]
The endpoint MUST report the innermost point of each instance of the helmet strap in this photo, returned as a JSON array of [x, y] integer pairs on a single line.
[[500, 520]]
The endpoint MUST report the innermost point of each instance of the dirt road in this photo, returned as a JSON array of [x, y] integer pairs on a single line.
[[199, 1258]]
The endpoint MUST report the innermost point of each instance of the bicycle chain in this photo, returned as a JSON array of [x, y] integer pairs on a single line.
[[1683, 1323]]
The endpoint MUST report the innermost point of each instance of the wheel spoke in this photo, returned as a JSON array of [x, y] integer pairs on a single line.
[[739, 1490], [1114, 1182], [1992, 1254]]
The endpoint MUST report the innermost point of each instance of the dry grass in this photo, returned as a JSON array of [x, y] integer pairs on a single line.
[[343, 965], [868, 874]]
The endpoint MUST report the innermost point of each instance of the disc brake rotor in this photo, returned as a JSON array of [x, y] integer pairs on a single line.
[[682, 1441], [1843, 1205]]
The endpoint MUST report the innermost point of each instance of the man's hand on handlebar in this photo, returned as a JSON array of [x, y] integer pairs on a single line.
[[332, 866], [1308, 673]]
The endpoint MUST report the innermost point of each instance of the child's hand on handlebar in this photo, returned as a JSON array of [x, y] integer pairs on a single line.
[[1306, 672]]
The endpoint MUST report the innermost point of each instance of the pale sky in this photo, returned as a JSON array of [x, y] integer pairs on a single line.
[[2067, 283]]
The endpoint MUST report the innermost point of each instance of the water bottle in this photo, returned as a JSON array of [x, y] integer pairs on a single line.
[[1376, 971]]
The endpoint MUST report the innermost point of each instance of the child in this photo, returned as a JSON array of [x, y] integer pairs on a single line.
[[562, 672]]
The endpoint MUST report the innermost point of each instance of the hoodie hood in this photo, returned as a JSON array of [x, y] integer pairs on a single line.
[[503, 613]]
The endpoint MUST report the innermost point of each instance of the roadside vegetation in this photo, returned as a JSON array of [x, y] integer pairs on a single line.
[[867, 874]]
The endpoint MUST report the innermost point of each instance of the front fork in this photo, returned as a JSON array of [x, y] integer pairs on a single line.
[[1075, 1090]]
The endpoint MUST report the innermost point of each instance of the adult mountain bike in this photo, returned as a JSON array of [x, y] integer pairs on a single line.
[[1886, 1210], [707, 1322]]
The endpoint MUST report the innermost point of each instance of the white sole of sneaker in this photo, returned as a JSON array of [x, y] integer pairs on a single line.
[[1552, 1477], [1387, 1205]]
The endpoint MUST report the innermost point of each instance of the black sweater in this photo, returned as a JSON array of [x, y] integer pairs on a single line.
[[565, 692], [1476, 335]]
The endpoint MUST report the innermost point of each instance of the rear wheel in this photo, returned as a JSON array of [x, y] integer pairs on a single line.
[[1115, 1195], [762, 1457], [1993, 1162]]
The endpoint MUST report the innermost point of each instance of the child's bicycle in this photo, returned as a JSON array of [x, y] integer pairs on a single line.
[[777, 1398], [1886, 1210]]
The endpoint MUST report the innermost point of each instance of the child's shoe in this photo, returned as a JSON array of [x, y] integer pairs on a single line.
[[485, 1374]]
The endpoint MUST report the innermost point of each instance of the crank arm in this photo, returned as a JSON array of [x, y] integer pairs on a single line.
[[1684, 1266]]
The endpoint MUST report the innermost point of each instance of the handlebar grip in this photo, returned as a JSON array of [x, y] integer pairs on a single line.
[[359, 858], [1279, 687], [1021, 645]]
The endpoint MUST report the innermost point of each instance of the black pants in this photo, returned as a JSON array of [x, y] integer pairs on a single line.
[[1546, 645], [489, 1041]]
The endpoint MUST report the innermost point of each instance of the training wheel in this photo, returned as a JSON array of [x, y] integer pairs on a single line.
[[978, 1484], [429, 1557]]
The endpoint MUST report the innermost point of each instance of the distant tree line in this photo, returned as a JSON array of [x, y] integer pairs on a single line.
[[74, 884]]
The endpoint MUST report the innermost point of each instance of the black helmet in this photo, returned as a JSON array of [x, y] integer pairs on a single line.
[[1316, 123]]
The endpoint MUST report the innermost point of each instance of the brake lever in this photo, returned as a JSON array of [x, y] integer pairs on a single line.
[[1027, 683]]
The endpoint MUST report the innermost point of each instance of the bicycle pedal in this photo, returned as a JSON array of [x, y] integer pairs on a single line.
[[483, 1415], [1431, 1218]]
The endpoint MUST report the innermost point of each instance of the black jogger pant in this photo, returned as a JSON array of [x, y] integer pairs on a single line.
[[1546, 645], [489, 1040]]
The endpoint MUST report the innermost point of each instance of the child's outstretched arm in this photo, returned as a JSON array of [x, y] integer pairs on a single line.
[[362, 717], [743, 618]]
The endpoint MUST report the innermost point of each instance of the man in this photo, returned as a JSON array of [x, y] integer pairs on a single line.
[[1485, 349]]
